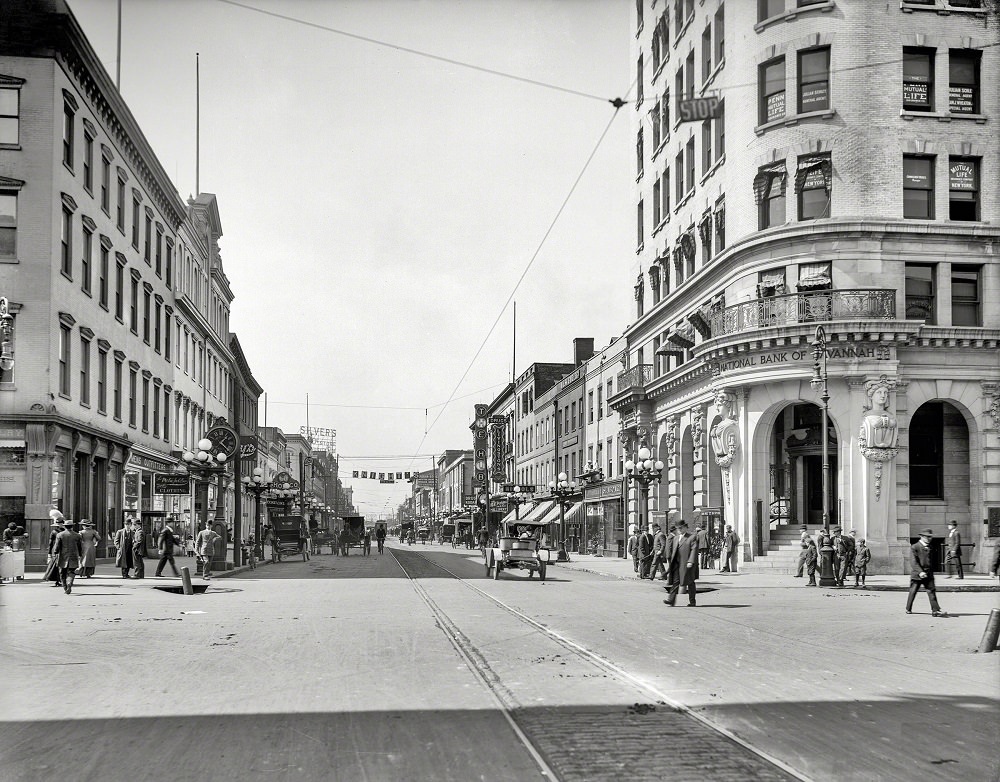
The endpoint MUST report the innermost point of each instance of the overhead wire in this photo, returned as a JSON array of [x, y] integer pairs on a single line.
[[420, 53]]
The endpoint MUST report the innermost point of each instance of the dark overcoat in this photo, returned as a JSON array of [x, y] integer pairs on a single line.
[[68, 549], [682, 554]]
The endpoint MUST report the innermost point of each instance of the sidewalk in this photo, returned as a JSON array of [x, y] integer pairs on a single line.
[[623, 569]]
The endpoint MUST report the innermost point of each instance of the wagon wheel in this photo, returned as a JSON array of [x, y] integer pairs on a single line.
[[541, 570], [496, 571]]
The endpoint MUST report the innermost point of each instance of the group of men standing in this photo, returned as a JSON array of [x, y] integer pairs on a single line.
[[850, 556], [674, 556]]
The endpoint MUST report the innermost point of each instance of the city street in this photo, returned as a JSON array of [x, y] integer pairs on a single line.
[[415, 666]]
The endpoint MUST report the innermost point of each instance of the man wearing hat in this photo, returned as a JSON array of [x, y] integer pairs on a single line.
[[954, 549], [90, 538], [803, 541], [123, 545], [659, 554], [921, 574], [165, 543], [682, 564], [52, 565], [68, 550], [841, 556]]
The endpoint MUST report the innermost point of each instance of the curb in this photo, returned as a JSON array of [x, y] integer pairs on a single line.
[[873, 588]]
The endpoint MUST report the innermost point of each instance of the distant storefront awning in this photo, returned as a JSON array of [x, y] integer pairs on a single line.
[[551, 516], [541, 509]]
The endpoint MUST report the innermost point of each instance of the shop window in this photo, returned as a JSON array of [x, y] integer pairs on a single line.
[[814, 80], [769, 192], [965, 296], [10, 115], [918, 79], [8, 225], [963, 189], [919, 290], [771, 80], [813, 179], [927, 452], [963, 81], [918, 187]]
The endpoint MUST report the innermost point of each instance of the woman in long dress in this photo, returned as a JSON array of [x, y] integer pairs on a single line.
[[90, 538]]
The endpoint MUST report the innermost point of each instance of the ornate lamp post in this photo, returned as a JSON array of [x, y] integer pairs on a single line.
[[562, 489], [205, 465], [819, 383], [643, 472], [256, 485]]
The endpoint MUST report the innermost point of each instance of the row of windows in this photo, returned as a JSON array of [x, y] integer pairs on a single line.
[[923, 300], [566, 420], [573, 465], [963, 80], [145, 400]]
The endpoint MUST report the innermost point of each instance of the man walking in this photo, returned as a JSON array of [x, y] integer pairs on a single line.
[[68, 551], [139, 550], [165, 544], [683, 564], [921, 574], [953, 546], [205, 545], [803, 537], [659, 554], [645, 553], [633, 548], [729, 543], [123, 547]]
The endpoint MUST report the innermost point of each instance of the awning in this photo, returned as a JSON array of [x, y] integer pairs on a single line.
[[813, 275], [682, 335], [772, 279], [538, 511], [574, 514], [509, 518], [552, 516]]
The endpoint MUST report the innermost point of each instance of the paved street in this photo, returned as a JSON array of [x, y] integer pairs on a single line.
[[345, 668]]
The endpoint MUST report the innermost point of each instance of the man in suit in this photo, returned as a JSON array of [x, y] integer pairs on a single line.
[[68, 550], [921, 574], [123, 545], [659, 554], [729, 543], [953, 546], [803, 537], [645, 553], [683, 564], [633, 549], [165, 545], [139, 549]]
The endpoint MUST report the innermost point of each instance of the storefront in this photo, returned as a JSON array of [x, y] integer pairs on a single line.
[[143, 501], [603, 520]]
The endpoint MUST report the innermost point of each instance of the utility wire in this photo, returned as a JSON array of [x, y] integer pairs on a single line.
[[527, 267], [419, 53]]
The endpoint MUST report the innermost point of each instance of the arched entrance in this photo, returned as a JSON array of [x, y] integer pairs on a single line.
[[795, 468], [940, 475]]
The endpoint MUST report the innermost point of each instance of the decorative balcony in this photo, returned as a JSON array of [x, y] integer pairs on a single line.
[[635, 377], [806, 307]]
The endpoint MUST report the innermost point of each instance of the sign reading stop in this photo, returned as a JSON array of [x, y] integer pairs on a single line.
[[699, 109]]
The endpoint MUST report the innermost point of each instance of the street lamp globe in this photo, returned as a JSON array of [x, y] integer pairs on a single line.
[[220, 457], [644, 454], [562, 477], [658, 466], [204, 444], [187, 456], [629, 465]]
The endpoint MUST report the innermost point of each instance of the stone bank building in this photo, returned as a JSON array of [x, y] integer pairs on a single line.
[[847, 182]]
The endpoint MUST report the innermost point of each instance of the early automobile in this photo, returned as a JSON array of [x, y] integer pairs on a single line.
[[423, 535], [519, 546], [289, 537]]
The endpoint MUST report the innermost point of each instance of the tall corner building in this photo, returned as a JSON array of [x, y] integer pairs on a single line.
[[835, 221]]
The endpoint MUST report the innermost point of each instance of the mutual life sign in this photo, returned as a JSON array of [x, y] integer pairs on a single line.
[[869, 352]]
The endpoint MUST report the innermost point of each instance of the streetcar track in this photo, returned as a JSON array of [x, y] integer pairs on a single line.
[[504, 699], [580, 651]]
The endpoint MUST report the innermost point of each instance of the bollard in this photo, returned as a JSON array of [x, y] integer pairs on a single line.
[[186, 580], [989, 642]]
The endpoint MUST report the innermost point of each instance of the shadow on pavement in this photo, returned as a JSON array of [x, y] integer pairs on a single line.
[[884, 740]]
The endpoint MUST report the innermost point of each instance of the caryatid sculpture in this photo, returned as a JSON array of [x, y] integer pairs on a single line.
[[878, 435], [725, 435]]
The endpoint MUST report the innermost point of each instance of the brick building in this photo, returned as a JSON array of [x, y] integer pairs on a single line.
[[847, 181], [120, 300]]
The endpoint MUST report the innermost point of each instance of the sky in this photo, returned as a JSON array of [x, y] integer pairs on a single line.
[[380, 207]]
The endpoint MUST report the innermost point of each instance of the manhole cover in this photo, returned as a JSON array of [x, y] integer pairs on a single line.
[[179, 590]]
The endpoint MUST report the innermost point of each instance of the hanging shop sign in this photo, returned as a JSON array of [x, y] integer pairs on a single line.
[[700, 109], [604, 491], [479, 447], [173, 483]]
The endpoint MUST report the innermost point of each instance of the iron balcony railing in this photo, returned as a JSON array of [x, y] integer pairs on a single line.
[[806, 307], [638, 376]]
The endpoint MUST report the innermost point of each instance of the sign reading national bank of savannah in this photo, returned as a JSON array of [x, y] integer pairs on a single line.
[[776, 357]]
